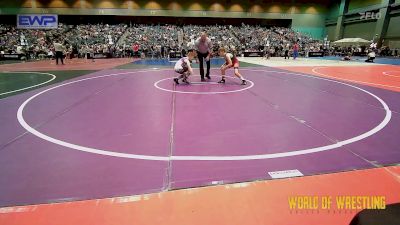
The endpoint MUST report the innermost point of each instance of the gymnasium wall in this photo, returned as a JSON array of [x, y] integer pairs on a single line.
[[354, 26], [394, 28], [362, 30], [255, 6], [15, 4], [307, 15], [358, 4], [330, 31], [333, 12], [393, 32], [312, 24]]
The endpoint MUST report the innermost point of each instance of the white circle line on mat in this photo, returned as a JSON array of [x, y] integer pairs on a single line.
[[369, 133], [36, 85], [156, 84]]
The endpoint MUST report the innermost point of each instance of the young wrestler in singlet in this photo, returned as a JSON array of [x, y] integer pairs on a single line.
[[230, 61], [183, 67]]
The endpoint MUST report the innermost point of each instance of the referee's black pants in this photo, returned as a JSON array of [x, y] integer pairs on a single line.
[[59, 55], [202, 57]]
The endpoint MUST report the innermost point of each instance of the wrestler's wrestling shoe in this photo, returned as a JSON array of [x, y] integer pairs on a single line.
[[222, 81]]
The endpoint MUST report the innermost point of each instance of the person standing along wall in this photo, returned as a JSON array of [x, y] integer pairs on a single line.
[[59, 49], [295, 50], [135, 49]]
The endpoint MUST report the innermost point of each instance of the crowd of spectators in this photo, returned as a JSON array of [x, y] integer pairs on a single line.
[[356, 50], [152, 40], [30, 42], [99, 38], [158, 41], [80, 39]]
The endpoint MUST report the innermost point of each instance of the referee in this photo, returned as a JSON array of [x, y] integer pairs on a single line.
[[59, 49], [204, 48]]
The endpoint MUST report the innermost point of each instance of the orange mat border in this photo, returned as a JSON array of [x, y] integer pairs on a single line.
[[263, 202], [367, 75]]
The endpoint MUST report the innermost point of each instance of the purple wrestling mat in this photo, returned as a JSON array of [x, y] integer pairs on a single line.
[[127, 132]]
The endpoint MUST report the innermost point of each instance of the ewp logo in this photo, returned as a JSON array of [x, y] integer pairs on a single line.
[[37, 21]]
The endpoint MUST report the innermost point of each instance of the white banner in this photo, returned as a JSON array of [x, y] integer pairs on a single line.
[[285, 174]]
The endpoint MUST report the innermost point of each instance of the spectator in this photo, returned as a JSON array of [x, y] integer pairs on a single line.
[[371, 56], [295, 50], [59, 49], [135, 49]]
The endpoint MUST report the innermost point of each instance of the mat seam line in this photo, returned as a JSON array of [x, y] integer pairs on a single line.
[[293, 117], [171, 139]]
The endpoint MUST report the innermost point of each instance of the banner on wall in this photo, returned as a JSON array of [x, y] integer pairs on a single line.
[[37, 21]]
